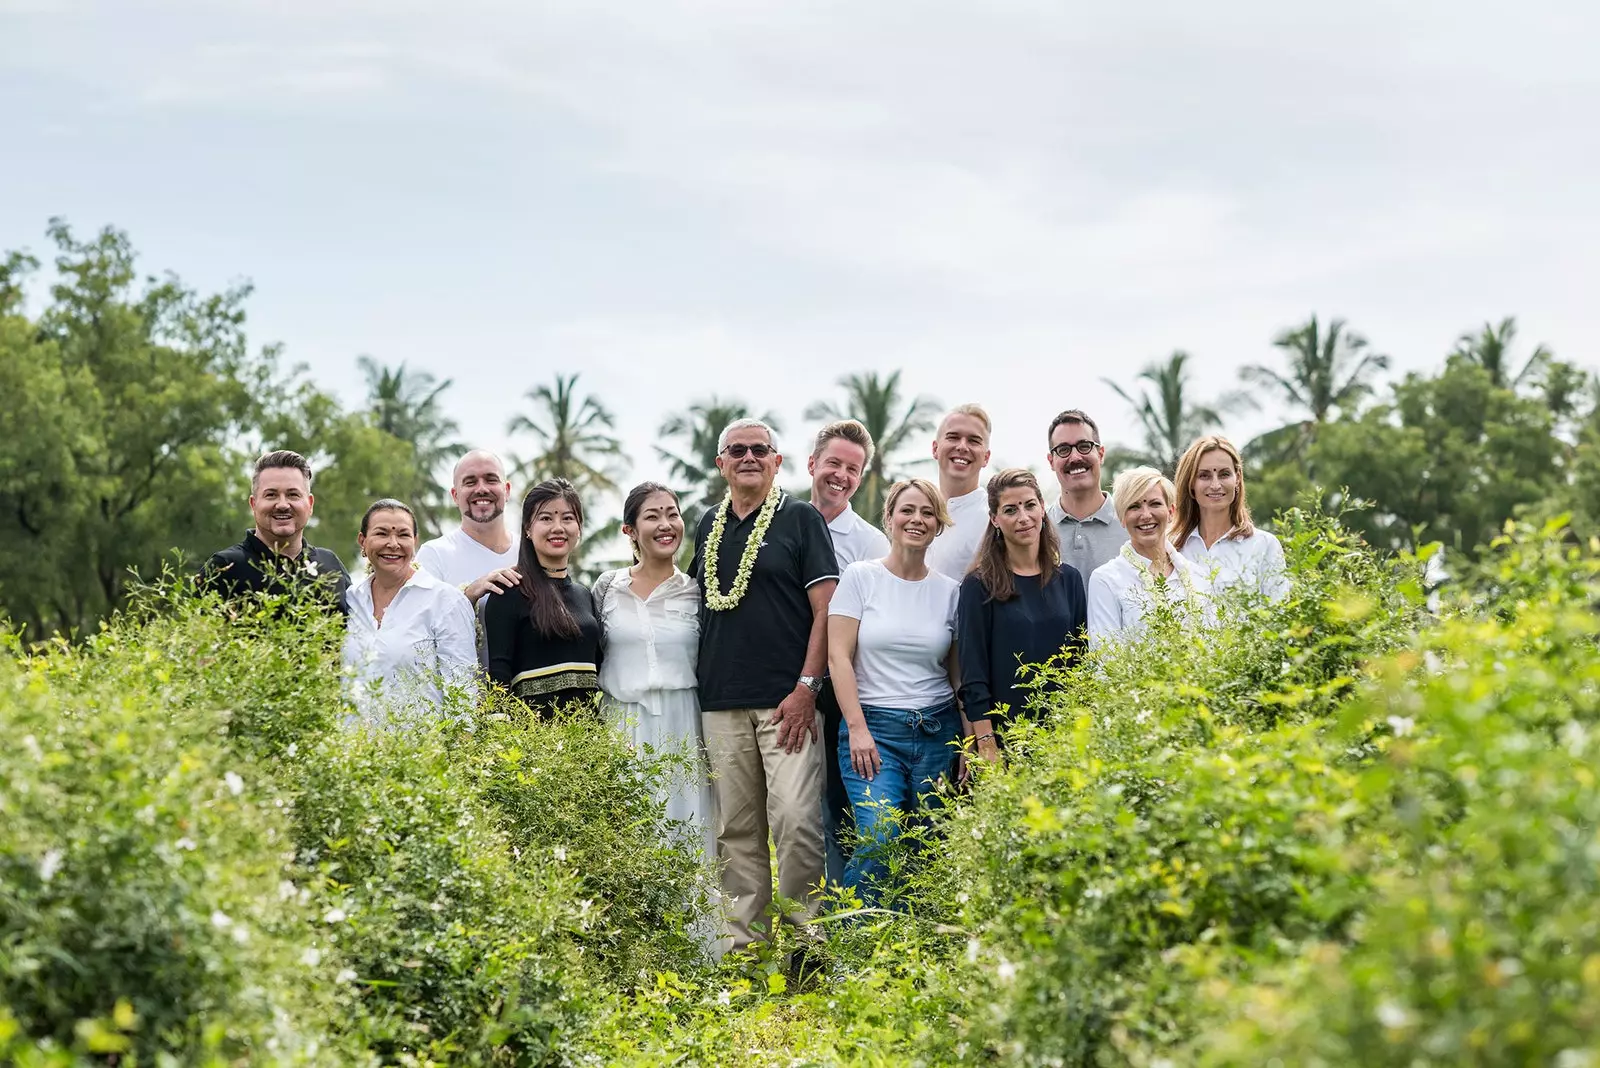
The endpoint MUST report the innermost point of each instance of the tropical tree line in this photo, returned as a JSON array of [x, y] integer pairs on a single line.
[[134, 405]]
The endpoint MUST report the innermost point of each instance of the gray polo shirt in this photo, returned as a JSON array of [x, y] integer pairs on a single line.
[[1088, 543]]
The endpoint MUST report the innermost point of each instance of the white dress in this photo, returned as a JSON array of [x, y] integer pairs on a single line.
[[1121, 594], [648, 674], [425, 644]]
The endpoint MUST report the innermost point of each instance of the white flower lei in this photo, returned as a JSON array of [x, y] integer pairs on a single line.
[[723, 602], [1148, 578]]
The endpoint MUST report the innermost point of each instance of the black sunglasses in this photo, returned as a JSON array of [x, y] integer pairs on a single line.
[[760, 452], [1064, 450]]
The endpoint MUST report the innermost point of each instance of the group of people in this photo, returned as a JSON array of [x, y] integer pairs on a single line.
[[831, 674]]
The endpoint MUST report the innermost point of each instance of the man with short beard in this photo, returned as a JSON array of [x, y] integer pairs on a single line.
[[961, 449], [479, 556], [274, 556], [838, 460], [1090, 532]]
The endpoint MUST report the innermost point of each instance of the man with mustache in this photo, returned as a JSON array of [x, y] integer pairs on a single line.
[[961, 450], [766, 569], [1090, 532], [479, 556], [274, 556], [838, 461]]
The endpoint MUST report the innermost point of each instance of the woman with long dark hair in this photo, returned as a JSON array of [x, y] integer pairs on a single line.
[[1214, 529], [650, 622], [410, 637], [543, 633], [1020, 605]]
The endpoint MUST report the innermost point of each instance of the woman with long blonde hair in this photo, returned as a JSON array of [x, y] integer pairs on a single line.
[[1213, 527]]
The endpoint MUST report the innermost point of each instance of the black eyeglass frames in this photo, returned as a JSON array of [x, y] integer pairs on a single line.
[[1064, 450], [738, 450]]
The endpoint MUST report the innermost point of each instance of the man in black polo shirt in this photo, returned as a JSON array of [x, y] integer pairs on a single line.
[[274, 556], [763, 647]]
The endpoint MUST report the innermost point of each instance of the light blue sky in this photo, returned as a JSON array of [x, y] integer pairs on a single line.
[[1007, 200]]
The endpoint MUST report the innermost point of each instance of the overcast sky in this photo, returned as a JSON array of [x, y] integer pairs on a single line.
[[1006, 200]]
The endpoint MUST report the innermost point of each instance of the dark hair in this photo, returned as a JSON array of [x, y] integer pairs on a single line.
[[633, 504], [991, 565], [387, 504], [1071, 415], [281, 458], [550, 614]]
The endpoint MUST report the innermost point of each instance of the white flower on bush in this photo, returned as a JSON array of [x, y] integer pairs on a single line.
[[1006, 971], [724, 998], [31, 744], [334, 915], [346, 975], [1393, 1015], [221, 920], [234, 782], [49, 864], [311, 957], [1402, 725], [561, 853], [185, 843]]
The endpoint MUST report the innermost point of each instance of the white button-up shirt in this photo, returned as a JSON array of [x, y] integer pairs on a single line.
[[426, 642], [856, 539], [651, 644], [1119, 598], [1256, 561]]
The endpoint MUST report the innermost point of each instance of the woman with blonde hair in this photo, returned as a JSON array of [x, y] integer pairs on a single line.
[[1146, 572], [1020, 605], [891, 650], [1214, 530]]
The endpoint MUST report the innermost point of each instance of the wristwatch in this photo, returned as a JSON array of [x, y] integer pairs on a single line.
[[812, 683]]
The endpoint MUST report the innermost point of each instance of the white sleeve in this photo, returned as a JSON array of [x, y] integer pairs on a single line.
[[850, 597], [458, 642], [1105, 609], [1274, 570]]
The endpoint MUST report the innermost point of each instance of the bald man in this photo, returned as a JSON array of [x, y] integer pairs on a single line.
[[480, 555]]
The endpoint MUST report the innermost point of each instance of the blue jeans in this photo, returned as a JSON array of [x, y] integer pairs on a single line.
[[916, 750]]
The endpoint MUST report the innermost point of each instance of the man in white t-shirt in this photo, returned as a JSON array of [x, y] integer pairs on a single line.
[[480, 555], [962, 451], [838, 461]]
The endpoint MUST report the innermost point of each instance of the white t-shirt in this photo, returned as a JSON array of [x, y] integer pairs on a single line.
[[456, 559], [952, 551], [906, 632], [856, 539]]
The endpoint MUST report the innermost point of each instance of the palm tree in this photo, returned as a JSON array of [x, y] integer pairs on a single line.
[[573, 435], [406, 405], [1329, 372], [892, 421], [1167, 420], [1491, 349], [694, 466]]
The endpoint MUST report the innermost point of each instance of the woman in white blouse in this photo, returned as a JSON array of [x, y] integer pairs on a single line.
[[1214, 530], [650, 634], [410, 637], [1146, 572]]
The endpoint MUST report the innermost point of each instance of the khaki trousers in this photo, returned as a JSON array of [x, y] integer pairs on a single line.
[[761, 788]]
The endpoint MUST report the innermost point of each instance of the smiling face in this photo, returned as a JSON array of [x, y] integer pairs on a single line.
[[480, 489], [914, 520], [749, 474], [281, 503], [390, 543], [1147, 520], [836, 474], [1018, 515], [962, 452], [1076, 473], [1216, 482], [657, 534], [553, 530]]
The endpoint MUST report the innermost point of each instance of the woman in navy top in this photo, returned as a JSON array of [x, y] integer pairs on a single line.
[[1019, 605]]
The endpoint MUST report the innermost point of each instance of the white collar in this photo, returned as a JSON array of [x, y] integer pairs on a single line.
[[421, 578], [845, 521]]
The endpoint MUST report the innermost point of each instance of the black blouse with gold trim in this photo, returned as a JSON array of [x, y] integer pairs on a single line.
[[544, 672]]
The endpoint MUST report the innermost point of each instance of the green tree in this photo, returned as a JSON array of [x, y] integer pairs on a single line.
[[1330, 373], [407, 405], [1168, 420], [1490, 348], [893, 420], [123, 401], [574, 437]]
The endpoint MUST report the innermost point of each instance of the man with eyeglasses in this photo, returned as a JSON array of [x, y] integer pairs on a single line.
[[1090, 531], [766, 569]]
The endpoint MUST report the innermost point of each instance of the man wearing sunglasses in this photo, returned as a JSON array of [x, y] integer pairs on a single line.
[[1090, 531], [763, 649]]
